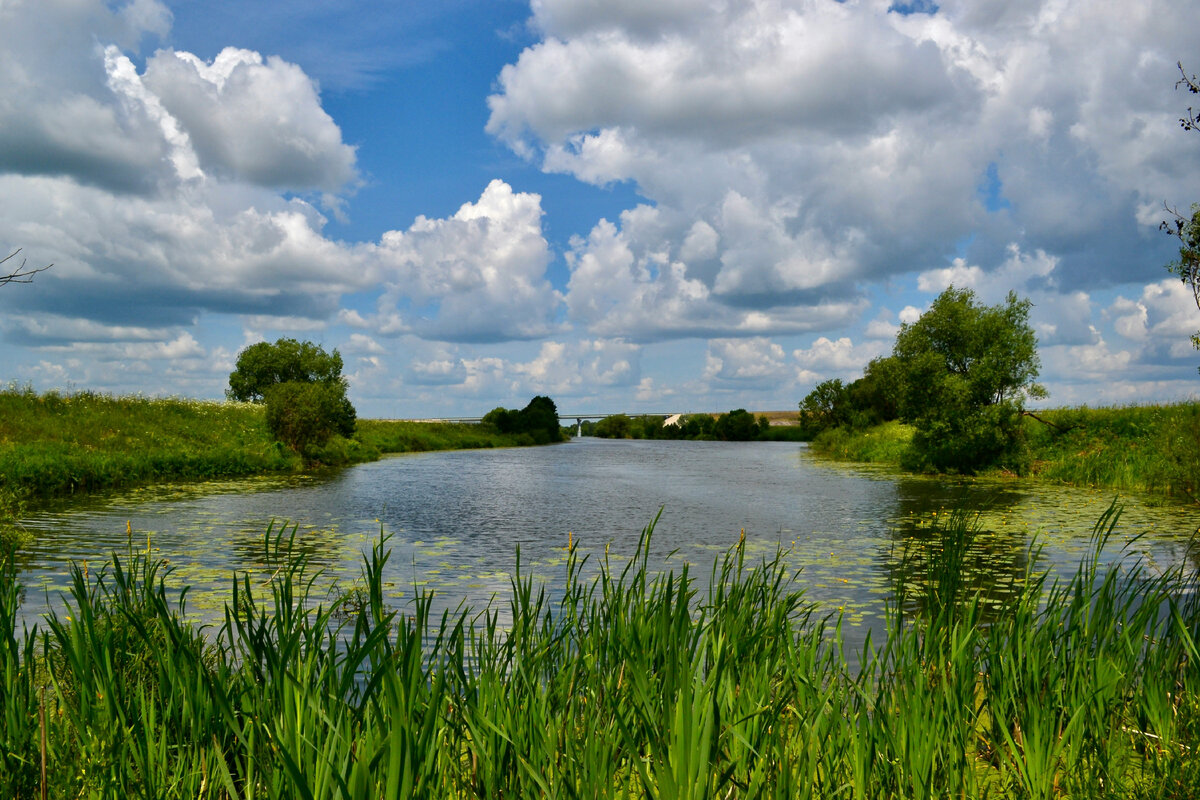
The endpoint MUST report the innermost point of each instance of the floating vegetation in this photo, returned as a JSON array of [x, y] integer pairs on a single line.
[[624, 681]]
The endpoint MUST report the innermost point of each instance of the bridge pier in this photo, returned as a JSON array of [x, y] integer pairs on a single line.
[[579, 427]]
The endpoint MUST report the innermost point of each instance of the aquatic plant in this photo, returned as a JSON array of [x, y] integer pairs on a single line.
[[618, 681]]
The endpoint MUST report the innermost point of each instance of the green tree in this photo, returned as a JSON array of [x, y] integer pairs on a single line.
[[647, 427], [824, 407], [296, 380], [539, 420], [739, 425], [698, 426], [1187, 267], [263, 365], [502, 419], [966, 370], [306, 415], [873, 398], [617, 426]]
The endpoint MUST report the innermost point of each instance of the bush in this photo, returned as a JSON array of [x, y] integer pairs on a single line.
[[740, 425], [538, 420], [964, 443], [305, 416]]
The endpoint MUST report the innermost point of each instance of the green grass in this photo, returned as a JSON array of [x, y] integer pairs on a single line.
[[1139, 448], [54, 445], [1152, 449], [400, 436], [878, 444], [629, 684]]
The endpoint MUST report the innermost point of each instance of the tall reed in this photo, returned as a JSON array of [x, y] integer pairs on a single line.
[[618, 681]]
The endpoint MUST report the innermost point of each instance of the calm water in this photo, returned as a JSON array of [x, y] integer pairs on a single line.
[[456, 519]]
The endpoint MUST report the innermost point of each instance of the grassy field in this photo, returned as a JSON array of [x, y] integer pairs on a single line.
[[1141, 448], [52, 444], [1154, 449], [628, 685]]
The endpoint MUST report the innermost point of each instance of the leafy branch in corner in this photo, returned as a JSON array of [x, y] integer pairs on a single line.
[[1187, 229], [20, 274]]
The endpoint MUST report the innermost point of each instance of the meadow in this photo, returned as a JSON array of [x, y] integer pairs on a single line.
[[629, 684], [1149, 449], [56, 445]]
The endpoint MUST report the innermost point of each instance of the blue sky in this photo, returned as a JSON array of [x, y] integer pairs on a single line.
[[671, 206]]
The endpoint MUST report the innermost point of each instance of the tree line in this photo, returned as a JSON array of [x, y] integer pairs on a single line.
[[738, 425], [304, 392]]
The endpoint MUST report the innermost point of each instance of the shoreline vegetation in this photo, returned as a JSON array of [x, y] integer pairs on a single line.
[[55, 445], [738, 425], [629, 684], [1152, 449]]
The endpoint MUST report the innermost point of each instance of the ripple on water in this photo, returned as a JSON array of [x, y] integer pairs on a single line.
[[454, 521]]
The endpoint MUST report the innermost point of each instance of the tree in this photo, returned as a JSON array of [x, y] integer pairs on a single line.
[[539, 420], [307, 415], [617, 426], [1185, 229], [303, 389], [824, 407], [648, 427], [20, 274], [965, 372], [873, 397], [263, 365], [739, 425], [698, 426], [502, 419]]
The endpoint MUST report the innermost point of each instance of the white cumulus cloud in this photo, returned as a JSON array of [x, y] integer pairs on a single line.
[[481, 272]]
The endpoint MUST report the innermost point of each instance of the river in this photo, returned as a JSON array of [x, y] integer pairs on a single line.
[[454, 521]]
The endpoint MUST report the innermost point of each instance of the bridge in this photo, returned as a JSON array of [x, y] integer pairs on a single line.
[[670, 416]]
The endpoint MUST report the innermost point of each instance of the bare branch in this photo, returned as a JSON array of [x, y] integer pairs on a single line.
[[1191, 122], [20, 274], [1056, 426]]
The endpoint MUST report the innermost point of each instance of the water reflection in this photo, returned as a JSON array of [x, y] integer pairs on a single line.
[[995, 564], [456, 519]]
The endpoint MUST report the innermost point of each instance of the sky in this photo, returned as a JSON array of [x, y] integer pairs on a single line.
[[629, 206]]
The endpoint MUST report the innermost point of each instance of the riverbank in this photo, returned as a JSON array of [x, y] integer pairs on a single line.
[[634, 684], [54, 445], [1150, 449]]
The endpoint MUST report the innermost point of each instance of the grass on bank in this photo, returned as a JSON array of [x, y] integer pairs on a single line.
[[626, 685], [53, 444], [1154, 449]]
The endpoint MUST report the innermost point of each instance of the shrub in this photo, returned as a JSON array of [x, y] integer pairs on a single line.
[[305, 415], [538, 420]]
